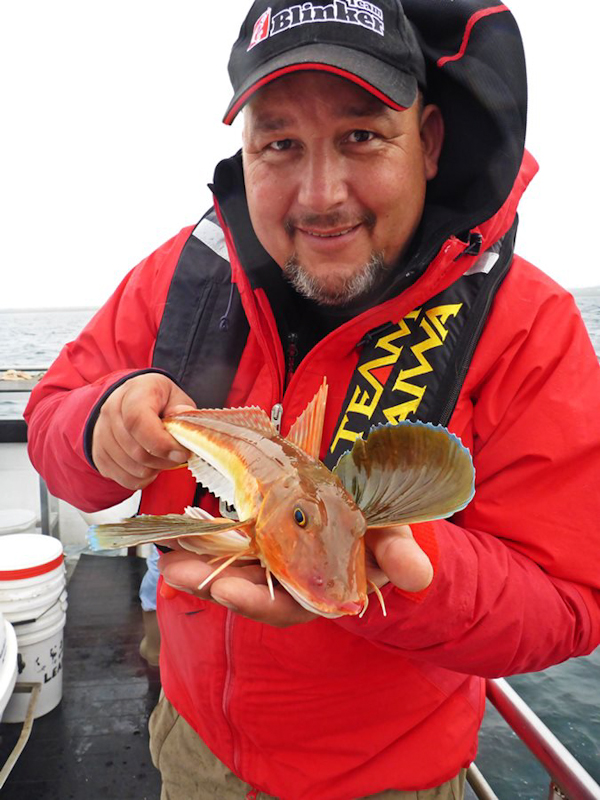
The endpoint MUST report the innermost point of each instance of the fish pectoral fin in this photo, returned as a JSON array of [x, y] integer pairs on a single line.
[[210, 477], [409, 472], [307, 431], [150, 528], [222, 544]]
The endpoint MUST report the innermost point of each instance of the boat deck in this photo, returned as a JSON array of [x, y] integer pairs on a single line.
[[95, 743]]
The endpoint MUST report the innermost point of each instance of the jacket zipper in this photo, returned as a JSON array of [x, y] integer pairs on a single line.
[[228, 686], [291, 357], [276, 415]]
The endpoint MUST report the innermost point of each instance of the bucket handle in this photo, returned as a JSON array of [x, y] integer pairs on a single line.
[[35, 689], [60, 599]]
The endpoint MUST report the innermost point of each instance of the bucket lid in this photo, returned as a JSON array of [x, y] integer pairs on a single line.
[[26, 555], [13, 520]]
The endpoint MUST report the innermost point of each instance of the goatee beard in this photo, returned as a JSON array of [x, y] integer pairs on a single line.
[[336, 291]]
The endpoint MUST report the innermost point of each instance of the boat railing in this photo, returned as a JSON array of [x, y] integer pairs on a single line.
[[568, 779], [20, 380]]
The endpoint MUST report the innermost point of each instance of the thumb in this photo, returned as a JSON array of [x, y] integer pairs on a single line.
[[178, 402], [400, 557], [170, 411]]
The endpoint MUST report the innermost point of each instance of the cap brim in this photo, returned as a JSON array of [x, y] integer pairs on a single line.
[[395, 88]]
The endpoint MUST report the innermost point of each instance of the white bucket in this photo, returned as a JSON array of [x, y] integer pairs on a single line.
[[26, 600], [3, 645], [8, 663], [33, 599], [16, 520]]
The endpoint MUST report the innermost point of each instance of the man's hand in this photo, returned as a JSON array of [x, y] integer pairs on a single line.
[[130, 444], [392, 555], [241, 587]]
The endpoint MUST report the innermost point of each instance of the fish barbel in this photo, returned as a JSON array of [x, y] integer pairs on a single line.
[[303, 522]]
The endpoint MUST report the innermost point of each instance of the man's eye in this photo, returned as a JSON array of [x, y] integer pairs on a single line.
[[280, 145], [361, 136]]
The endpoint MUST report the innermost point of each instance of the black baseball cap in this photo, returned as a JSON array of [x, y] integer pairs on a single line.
[[370, 43]]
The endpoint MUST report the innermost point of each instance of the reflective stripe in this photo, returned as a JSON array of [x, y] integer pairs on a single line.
[[212, 236], [484, 263]]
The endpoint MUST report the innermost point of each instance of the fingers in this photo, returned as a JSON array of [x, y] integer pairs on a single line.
[[254, 601], [130, 475], [141, 405], [398, 558], [187, 571], [130, 445], [241, 588]]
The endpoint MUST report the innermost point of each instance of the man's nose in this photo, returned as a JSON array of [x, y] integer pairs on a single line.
[[323, 181]]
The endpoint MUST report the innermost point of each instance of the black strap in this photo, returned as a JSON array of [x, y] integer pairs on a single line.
[[414, 368], [194, 345]]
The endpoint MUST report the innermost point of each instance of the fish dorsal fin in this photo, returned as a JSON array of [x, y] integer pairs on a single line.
[[409, 472], [253, 418], [307, 431], [212, 479]]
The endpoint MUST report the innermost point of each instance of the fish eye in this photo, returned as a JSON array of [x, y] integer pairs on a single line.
[[300, 517]]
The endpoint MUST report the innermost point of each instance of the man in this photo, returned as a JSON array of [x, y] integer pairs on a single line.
[[366, 235]]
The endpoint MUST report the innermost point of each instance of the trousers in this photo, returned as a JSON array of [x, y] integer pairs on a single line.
[[190, 771]]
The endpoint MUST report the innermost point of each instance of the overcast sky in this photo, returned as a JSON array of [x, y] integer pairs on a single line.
[[111, 127]]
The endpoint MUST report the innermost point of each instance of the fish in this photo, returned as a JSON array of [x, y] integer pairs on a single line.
[[304, 523]]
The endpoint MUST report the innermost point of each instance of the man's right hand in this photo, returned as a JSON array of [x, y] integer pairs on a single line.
[[130, 445]]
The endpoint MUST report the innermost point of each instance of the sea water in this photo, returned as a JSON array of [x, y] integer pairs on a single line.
[[566, 697]]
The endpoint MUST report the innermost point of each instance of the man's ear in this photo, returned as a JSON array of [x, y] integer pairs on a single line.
[[432, 138]]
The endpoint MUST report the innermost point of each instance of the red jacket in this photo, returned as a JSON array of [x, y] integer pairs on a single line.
[[344, 708], [339, 709]]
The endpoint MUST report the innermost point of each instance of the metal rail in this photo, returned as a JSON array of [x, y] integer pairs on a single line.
[[479, 785], [568, 778], [14, 431], [23, 369]]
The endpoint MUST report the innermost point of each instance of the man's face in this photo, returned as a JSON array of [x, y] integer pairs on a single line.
[[335, 179]]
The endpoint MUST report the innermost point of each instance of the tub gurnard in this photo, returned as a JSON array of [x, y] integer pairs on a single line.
[[303, 522]]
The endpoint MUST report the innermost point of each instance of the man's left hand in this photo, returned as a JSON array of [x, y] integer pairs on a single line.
[[392, 555]]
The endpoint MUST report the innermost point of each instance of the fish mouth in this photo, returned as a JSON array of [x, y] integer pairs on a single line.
[[325, 609]]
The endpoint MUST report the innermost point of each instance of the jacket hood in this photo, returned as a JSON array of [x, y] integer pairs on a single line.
[[476, 74]]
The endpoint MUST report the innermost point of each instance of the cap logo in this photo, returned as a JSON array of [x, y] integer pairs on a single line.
[[261, 29], [350, 12]]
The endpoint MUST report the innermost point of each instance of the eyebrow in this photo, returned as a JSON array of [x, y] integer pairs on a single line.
[[270, 124], [375, 109]]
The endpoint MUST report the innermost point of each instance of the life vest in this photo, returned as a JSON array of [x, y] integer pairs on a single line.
[[411, 368]]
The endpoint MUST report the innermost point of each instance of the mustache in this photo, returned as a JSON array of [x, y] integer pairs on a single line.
[[333, 219]]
